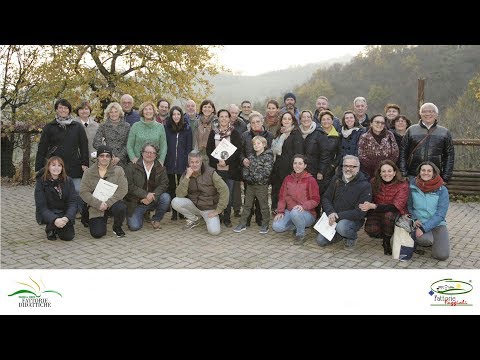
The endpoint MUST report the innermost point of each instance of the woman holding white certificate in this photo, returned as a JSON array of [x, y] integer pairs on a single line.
[[229, 168], [99, 209]]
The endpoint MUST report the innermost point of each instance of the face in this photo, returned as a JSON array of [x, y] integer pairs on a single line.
[[298, 165], [126, 103], [207, 110], [326, 122], [426, 172], [195, 164], [360, 108], [234, 111], [114, 114], [258, 145], [387, 173], [306, 120], [289, 103], [256, 124], [391, 113], [176, 116], [84, 112], [378, 124], [287, 120], [321, 104], [148, 112], [55, 169], [350, 168], [149, 154], [223, 119], [104, 159], [428, 115], [271, 110], [349, 120], [400, 125], [247, 108], [191, 107], [62, 111], [163, 108]]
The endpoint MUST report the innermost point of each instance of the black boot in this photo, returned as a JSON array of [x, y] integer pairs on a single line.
[[387, 248], [51, 235]]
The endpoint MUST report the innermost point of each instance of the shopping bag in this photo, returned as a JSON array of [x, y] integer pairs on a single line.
[[403, 244]]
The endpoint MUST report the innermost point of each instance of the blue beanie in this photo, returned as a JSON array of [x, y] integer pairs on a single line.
[[289, 95]]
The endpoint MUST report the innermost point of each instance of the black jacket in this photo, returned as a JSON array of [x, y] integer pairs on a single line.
[[49, 205], [437, 148], [71, 145]]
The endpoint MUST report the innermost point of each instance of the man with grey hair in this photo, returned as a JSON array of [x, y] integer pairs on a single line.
[[201, 193], [131, 116], [192, 118], [341, 203], [240, 125], [360, 109], [147, 189], [427, 141], [322, 104]]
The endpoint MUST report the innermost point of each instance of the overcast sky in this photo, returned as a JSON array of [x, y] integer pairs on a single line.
[[258, 59]]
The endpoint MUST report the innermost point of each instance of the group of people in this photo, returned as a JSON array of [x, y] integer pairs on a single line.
[[161, 160]]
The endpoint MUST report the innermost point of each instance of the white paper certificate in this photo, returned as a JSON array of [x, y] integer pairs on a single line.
[[322, 226], [104, 190], [224, 150]]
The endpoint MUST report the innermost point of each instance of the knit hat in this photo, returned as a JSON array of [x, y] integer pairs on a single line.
[[289, 95], [104, 149]]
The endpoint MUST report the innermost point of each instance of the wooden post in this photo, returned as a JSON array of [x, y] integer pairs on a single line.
[[420, 95]]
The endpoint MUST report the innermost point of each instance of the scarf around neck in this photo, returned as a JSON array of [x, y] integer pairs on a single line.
[[429, 185], [310, 130], [63, 122]]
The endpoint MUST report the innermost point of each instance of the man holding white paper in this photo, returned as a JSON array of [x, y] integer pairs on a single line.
[[111, 190], [340, 202]]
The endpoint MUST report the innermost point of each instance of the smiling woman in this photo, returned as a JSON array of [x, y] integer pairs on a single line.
[[267, 58]]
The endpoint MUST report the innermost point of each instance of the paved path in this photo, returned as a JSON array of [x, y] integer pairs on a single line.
[[25, 246]]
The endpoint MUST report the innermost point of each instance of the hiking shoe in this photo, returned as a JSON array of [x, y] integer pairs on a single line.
[[349, 243], [190, 224], [156, 225], [119, 232], [299, 240], [51, 235], [240, 228], [263, 229]]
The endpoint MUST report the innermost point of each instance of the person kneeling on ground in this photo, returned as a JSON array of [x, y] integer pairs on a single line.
[[98, 210], [147, 186], [201, 192]]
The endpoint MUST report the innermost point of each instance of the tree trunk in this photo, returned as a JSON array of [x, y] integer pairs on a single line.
[[8, 169], [27, 143]]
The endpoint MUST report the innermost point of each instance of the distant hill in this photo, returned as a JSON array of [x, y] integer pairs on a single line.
[[230, 88]]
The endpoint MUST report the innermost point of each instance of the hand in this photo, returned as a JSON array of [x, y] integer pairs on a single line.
[[103, 206], [145, 201], [418, 232], [332, 218], [278, 217], [298, 208], [150, 197], [246, 162], [418, 223], [134, 160], [60, 222], [212, 214], [84, 167], [366, 206], [222, 162], [189, 172], [319, 176], [115, 160]]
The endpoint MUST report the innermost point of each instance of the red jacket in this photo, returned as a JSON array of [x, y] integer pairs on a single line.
[[396, 194], [299, 189]]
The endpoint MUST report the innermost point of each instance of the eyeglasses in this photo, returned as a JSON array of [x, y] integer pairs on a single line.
[[379, 122], [150, 152], [350, 166], [428, 111], [104, 155]]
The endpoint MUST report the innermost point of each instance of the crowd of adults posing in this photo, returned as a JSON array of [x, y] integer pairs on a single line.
[[160, 160]]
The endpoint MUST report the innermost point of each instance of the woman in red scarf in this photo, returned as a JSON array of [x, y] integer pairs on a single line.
[[428, 204], [390, 195]]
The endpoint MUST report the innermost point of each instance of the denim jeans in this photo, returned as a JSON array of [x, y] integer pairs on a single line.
[[347, 229], [135, 222], [80, 203], [294, 220]]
